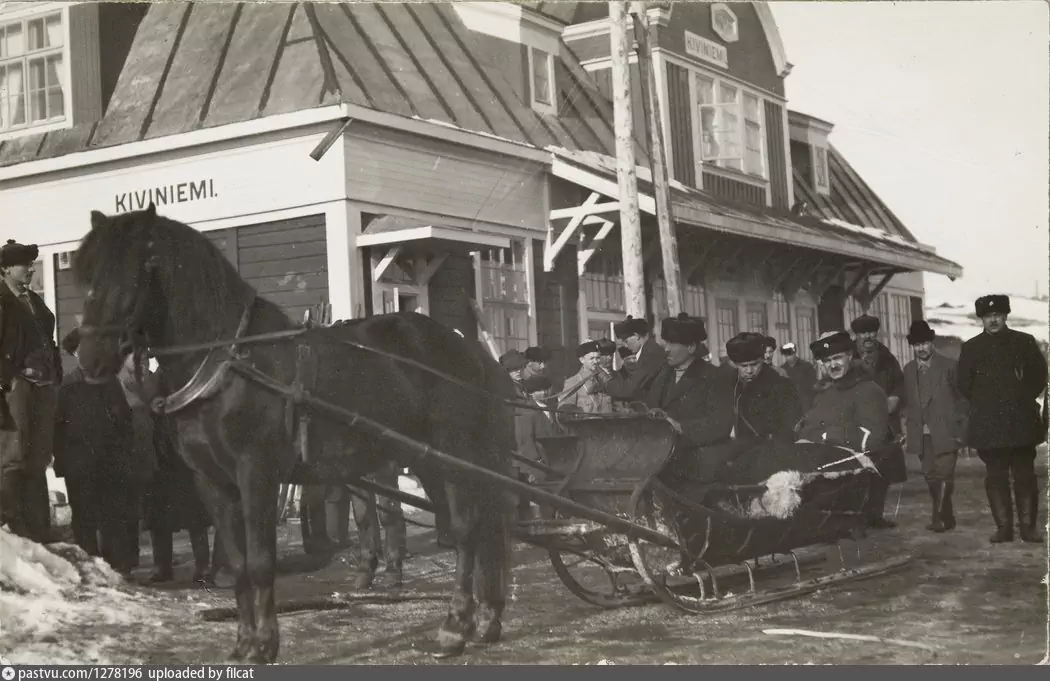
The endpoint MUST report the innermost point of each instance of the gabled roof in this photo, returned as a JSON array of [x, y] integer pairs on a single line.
[[851, 199], [199, 65]]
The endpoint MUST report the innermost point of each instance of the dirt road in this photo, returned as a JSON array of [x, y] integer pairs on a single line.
[[974, 602]]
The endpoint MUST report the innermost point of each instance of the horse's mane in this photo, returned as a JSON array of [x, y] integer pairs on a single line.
[[199, 282]]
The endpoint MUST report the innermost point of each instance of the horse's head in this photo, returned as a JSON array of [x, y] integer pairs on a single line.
[[117, 264]]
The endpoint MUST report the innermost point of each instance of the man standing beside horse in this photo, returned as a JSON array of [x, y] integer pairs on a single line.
[[30, 373], [1001, 373], [934, 420]]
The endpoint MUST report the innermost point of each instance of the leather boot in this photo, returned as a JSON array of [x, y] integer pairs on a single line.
[[11, 513], [162, 556], [202, 573], [1027, 498], [1002, 512], [937, 490], [948, 510], [876, 504]]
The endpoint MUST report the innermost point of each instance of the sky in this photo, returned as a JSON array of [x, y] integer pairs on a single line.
[[942, 107]]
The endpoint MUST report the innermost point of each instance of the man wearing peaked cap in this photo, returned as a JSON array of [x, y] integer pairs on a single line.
[[30, 372], [1001, 373], [934, 420], [849, 408], [801, 373], [586, 389], [514, 362], [694, 394], [631, 381], [766, 405], [886, 371]]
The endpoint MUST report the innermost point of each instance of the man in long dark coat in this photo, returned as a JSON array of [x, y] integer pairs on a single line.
[[30, 373], [886, 372], [766, 404], [802, 374], [1001, 373], [630, 383], [92, 452], [694, 394], [934, 420]]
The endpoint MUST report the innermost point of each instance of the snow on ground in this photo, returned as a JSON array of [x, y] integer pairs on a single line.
[[957, 318], [45, 591]]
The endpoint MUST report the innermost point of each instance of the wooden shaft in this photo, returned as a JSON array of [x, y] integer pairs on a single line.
[[418, 450], [626, 173], [658, 161]]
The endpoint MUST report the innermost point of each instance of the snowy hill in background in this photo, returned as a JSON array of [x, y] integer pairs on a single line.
[[957, 318]]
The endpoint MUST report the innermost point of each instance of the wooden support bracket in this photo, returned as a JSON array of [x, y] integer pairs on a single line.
[[695, 267], [881, 285], [385, 262], [792, 285], [424, 273], [591, 246], [554, 245], [822, 285], [862, 276]]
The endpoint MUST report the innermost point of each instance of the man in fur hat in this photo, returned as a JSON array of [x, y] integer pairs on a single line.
[[886, 371], [1001, 373], [694, 394], [766, 404], [849, 408], [30, 373], [769, 346], [631, 382], [934, 420], [801, 373], [586, 390]]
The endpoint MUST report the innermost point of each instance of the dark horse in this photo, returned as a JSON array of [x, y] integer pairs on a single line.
[[153, 283]]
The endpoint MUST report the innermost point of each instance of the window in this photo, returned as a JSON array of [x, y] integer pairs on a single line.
[[693, 301], [32, 71], [782, 327], [757, 318], [806, 329], [541, 80], [505, 295], [727, 322], [820, 170], [724, 22], [730, 126]]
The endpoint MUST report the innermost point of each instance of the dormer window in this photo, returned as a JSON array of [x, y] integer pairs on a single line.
[[541, 70], [820, 170], [32, 71], [730, 126]]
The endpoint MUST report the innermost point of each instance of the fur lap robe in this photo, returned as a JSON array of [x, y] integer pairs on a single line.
[[769, 479]]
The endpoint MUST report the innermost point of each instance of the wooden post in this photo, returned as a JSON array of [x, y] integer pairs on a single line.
[[630, 220], [658, 161]]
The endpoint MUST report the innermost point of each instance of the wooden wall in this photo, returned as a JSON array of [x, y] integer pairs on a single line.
[[775, 155], [734, 190], [450, 290], [680, 111]]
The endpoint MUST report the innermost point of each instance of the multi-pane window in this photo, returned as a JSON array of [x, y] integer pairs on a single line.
[[31, 71], [505, 295], [782, 325], [757, 318], [730, 126], [694, 301], [541, 80], [727, 318], [805, 330], [820, 169]]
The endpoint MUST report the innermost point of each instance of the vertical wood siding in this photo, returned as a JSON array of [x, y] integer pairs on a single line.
[[285, 261], [778, 168], [680, 110], [733, 190], [450, 289]]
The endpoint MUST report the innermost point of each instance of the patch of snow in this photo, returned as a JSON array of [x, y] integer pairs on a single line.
[[957, 317]]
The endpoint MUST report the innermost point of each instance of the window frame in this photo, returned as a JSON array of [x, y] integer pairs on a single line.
[[552, 91], [725, 163], [24, 18], [820, 162], [494, 268]]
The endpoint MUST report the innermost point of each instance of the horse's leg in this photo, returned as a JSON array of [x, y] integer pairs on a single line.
[[493, 566], [258, 483], [228, 516], [459, 623]]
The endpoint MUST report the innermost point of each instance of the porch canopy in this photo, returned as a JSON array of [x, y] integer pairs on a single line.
[[420, 248], [796, 251]]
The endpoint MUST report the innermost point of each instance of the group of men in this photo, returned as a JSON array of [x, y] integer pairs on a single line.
[[858, 395]]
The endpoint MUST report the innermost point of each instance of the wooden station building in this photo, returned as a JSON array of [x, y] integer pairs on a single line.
[[471, 155]]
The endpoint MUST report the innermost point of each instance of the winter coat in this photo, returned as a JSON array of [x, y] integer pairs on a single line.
[[767, 407], [591, 398], [702, 402], [630, 383], [932, 399], [842, 408], [888, 375], [1001, 375], [529, 426], [804, 377]]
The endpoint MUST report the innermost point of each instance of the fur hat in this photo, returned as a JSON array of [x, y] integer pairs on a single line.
[[72, 341], [920, 332], [769, 342], [537, 354], [746, 347], [13, 253], [865, 324], [536, 383], [606, 347], [831, 343], [587, 347], [513, 360], [787, 349], [683, 329], [630, 326], [993, 303]]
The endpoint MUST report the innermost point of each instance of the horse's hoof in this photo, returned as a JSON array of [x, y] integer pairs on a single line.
[[263, 653], [451, 645], [490, 632], [364, 581]]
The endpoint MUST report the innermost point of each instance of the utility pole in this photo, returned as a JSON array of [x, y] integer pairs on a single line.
[[658, 160], [630, 221]]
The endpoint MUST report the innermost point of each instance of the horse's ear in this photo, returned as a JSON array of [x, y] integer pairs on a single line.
[[98, 219], [151, 210]]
